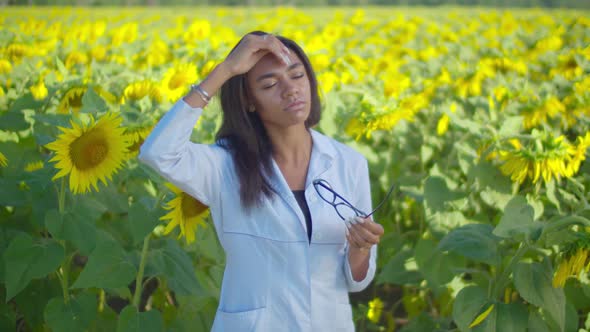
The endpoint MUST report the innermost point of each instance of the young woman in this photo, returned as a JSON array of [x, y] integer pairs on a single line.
[[294, 249]]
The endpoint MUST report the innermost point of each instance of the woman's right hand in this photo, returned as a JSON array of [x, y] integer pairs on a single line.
[[251, 49]]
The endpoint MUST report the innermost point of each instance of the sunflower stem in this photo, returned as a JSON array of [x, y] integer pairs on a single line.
[[64, 271], [139, 278], [503, 280]]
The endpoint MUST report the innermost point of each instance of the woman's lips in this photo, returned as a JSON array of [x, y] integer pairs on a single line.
[[295, 105]]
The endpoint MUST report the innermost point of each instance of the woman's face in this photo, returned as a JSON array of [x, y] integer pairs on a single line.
[[280, 93]]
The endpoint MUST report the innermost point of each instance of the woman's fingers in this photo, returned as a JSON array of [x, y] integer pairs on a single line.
[[363, 233], [252, 48], [274, 45]]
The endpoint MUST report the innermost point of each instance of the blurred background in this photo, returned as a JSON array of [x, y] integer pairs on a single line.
[[486, 3]]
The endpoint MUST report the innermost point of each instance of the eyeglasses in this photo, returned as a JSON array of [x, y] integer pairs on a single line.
[[343, 208]]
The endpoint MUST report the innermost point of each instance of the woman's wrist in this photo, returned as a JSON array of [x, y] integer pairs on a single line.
[[213, 82], [359, 251]]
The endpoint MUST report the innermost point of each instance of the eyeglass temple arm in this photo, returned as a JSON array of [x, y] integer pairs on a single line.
[[383, 201]]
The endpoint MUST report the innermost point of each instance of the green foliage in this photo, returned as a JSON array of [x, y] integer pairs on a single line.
[[26, 259], [108, 267], [76, 315], [132, 321]]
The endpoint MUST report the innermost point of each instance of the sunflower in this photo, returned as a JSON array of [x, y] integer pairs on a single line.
[[3, 160], [571, 266], [553, 157], [89, 153], [39, 90], [549, 109], [185, 212], [138, 90], [33, 166], [135, 137], [177, 80], [5, 66], [72, 99], [375, 309], [76, 58]]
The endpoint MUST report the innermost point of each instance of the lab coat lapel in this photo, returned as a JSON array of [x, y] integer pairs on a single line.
[[279, 183], [322, 154]]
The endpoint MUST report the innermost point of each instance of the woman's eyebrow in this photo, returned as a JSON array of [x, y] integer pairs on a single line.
[[272, 74]]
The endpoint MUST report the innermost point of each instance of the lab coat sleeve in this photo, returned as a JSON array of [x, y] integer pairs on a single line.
[[194, 168], [363, 201]]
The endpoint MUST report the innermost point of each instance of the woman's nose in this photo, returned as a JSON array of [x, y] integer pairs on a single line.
[[290, 89]]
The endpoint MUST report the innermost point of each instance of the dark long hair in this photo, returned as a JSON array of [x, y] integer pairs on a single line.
[[243, 134]]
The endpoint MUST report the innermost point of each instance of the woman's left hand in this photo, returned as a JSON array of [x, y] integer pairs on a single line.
[[363, 233]]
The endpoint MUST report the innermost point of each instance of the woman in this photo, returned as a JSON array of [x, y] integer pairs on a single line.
[[290, 258]]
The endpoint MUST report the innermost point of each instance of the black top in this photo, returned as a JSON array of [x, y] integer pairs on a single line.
[[300, 196]]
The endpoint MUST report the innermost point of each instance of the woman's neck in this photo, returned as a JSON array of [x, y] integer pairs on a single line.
[[291, 145]]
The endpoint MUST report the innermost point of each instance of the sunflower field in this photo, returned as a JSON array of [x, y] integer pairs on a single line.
[[480, 118]]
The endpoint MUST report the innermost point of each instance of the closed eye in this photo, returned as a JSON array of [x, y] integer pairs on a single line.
[[295, 77]]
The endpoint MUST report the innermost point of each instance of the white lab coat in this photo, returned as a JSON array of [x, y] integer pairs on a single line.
[[274, 279]]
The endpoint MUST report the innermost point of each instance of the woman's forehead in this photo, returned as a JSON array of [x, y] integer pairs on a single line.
[[270, 63]]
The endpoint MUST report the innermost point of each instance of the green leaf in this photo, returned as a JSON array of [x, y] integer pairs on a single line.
[[470, 301], [32, 300], [175, 265], [495, 198], [395, 271], [511, 126], [426, 152], [434, 265], [550, 191], [518, 219], [11, 194], [141, 221], [7, 318], [537, 205], [53, 120], [13, 121], [437, 193], [92, 102], [511, 317], [534, 283], [107, 267], [443, 222], [60, 66], [132, 321], [25, 260], [536, 323], [474, 241], [193, 313], [78, 231], [564, 222], [420, 323], [577, 293], [89, 207], [72, 317], [106, 320], [24, 102]]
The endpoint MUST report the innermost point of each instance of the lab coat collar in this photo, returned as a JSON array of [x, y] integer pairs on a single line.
[[322, 155]]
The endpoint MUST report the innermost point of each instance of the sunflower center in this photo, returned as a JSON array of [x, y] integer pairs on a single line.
[[75, 100], [179, 79], [89, 150], [191, 207]]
